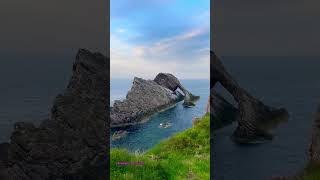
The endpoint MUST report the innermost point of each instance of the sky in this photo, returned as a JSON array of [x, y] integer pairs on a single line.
[[152, 36], [266, 28], [37, 29], [39, 40]]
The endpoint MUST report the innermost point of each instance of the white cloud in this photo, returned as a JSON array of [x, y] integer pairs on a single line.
[[146, 69], [129, 60], [164, 45], [121, 30]]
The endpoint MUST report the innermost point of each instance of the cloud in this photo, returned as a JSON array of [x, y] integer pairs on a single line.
[[139, 51], [121, 30], [160, 36], [128, 61], [177, 41], [123, 8], [143, 68]]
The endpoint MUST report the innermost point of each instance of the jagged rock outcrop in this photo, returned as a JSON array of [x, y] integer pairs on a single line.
[[72, 143], [145, 98], [254, 116]]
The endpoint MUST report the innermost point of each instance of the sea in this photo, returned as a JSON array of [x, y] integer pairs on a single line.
[[144, 136], [289, 82], [28, 87]]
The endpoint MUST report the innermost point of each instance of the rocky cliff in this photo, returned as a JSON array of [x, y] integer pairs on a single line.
[[225, 113], [314, 148], [147, 97], [254, 116], [72, 143]]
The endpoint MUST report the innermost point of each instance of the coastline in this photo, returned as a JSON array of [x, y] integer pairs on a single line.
[[147, 116], [144, 135], [194, 142], [148, 97]]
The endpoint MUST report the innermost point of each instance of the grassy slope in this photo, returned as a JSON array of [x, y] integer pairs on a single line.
[[185, 155], [311, 172]]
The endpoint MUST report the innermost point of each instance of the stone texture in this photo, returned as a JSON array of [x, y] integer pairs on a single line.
[[145, 98], [4, 155], [72, 143], [314, 148], [171, 82], [225, 113], [254, 115]]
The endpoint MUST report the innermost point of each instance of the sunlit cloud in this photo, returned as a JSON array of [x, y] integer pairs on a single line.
[[178, 47]]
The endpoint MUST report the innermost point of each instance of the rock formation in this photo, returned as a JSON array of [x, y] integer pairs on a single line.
[[147, 97], [172, 83], [224, 111], [72, 143], [314, 148], [254, 116]]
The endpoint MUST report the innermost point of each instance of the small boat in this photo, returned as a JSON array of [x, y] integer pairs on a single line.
[[165, 125], [118, 135]]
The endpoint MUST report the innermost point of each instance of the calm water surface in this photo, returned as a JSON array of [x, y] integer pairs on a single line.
[[144, 136], [290, 82], [28, 88]]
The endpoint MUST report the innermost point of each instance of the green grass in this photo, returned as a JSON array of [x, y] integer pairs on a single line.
[[185, 155], [311, 172]]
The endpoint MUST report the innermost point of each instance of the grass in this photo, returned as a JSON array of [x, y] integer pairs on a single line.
[[185, 155], [311, 172]]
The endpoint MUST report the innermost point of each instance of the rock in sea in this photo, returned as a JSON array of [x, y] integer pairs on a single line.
[[147, 97], [255, 118], [72, 143], [119, 134]]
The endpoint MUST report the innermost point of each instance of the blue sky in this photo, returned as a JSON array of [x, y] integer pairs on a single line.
[[152, 36]]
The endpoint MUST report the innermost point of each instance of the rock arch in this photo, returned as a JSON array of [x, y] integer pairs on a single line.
[[171, 82], [254, 116]]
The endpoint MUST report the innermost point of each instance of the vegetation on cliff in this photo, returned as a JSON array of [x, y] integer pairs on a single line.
[[311, 172], [185, 155]]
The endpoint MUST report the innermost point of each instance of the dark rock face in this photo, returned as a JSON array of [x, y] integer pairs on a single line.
[[4, 155], [314, 148], [171, 82], [254, 115], [145, 98], [225, 113], [72, 143], [167, 80]]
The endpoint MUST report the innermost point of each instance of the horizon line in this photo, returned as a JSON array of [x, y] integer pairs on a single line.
[[153, 78], [269, 55]]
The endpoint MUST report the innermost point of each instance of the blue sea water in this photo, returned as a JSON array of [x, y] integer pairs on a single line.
[[144, 136]]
